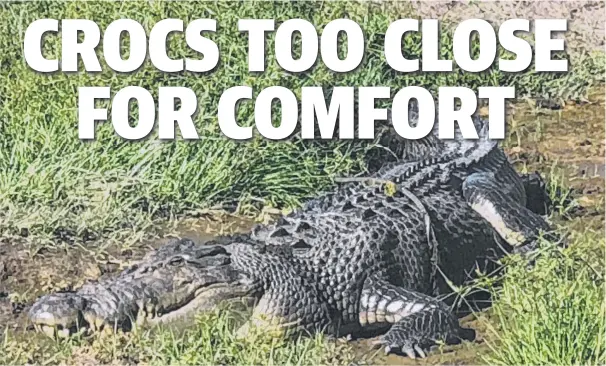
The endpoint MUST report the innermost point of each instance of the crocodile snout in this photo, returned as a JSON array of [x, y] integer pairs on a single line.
[[59, 313], [175, 281]]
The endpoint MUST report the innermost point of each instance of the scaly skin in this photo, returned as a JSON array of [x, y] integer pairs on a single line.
[[167, 284], [314, 262], [353, 260]]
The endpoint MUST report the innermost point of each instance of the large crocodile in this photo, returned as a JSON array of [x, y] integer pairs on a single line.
[[364, 257]]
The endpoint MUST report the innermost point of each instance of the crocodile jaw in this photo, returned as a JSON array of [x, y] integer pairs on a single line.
[[206, 299], [58, 313], [63, 314], [173, 282]]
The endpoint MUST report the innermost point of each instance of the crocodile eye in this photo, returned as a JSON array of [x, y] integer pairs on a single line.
[[176, 261]]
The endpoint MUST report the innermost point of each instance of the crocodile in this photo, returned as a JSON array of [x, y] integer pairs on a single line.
[[373, 255]]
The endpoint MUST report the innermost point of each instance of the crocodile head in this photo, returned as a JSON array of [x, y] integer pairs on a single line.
[[177, 281]]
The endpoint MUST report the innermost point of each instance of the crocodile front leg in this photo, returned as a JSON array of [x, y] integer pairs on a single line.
[[290, 303], [517, 225], [417, 321]]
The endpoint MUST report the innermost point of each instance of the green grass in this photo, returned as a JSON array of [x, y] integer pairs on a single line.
[[54, 188], [211, 340], [554, 313]]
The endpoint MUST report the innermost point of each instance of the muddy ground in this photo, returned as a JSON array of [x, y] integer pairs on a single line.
[[560, 141]]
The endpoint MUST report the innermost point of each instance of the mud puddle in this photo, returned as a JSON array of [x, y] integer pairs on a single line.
[[571, 138]]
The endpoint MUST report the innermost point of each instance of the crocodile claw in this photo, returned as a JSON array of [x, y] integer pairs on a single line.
[[409, 349]]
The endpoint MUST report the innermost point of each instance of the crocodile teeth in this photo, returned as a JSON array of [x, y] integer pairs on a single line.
[[150, 310], [49, 330], [63, 333], [141, 316], [90, 319], [420, 351], [94, 322]]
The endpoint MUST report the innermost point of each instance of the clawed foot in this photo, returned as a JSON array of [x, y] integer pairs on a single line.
[[409, 348], [413, 347]]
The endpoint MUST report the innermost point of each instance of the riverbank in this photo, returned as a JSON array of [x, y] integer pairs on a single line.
[[566, 146], [71, 212]]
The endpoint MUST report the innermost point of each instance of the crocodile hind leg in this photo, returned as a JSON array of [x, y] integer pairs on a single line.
[[417, 321], [519, 226]]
